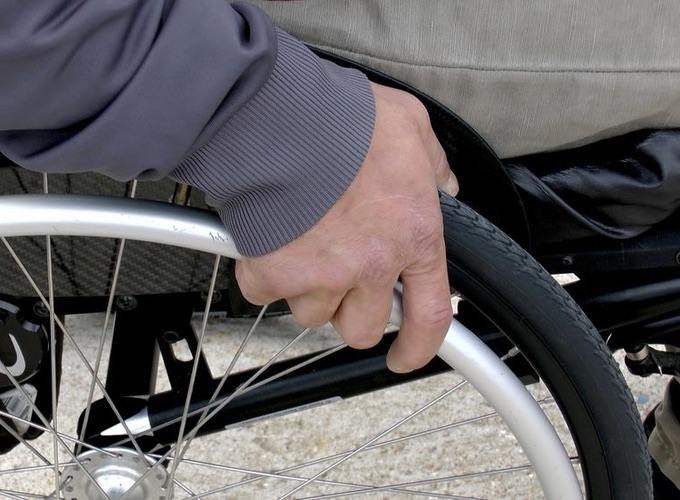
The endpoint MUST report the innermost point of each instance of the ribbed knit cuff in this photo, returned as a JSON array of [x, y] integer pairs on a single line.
[[281, 162]]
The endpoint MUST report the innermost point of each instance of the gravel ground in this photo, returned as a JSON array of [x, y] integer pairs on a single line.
[[295, 436]]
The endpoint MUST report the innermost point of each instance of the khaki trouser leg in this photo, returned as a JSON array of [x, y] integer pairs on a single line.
[[529, 76], [664, 441]]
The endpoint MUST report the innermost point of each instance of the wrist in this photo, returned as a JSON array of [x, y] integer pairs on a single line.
[[280, 163]]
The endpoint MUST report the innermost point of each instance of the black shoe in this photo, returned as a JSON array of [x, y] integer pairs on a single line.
[[664, 488]]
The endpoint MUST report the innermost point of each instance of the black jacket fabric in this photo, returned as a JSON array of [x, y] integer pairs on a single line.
[[618, 187]]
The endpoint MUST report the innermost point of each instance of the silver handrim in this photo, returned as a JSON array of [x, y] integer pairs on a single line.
[[167, 224]]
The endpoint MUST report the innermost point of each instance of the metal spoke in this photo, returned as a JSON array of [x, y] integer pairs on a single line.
[[247, 384], [447, 479], [369, 489], [379, 489], [191, 434], [64, 437], [55, 321], [53, 347], [292, 369], [55, 435], [105, 327], [376, 438], [427, 482], [177, 447], [263, 475], [74, 345], [8, 428], [213, 402], [218, 405], [192, 379], [235, 358], [29, 469], [15, 494], [344, 456], [276, 475], [239, 391]]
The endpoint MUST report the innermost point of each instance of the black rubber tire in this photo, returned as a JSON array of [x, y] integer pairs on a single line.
[[540, 318]]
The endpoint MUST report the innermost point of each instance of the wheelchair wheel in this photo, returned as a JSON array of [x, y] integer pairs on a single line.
[[513, 292], [268, 412]]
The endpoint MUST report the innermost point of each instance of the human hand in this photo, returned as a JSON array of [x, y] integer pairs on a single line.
[[387, 224]]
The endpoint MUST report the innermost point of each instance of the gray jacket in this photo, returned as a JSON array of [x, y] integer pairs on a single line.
[[207, 92]]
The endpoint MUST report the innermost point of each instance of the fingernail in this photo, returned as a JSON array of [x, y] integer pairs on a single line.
[[396, 367], [451, 188]]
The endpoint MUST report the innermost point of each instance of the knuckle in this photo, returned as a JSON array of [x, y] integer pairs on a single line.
[[417, 111], [380, 268], [434, 319], [414, 105], [380, 262], [246, 285], [336, 282], [256, 286], [410, 110], [441, 317], [427, 233]]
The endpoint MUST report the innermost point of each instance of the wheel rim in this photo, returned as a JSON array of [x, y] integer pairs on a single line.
[[269, 473]]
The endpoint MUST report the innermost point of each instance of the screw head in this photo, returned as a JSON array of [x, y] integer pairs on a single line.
[[41, 309], [171, 336], [216, 296], [126, 302]]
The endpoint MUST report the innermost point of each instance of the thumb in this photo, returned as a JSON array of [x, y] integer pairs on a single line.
[[446, 179], [427, 314]]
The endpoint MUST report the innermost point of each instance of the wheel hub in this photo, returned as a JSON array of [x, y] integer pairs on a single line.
[[117, 472]]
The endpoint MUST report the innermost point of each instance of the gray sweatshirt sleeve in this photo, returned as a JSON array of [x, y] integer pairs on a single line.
[[207, 92]]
